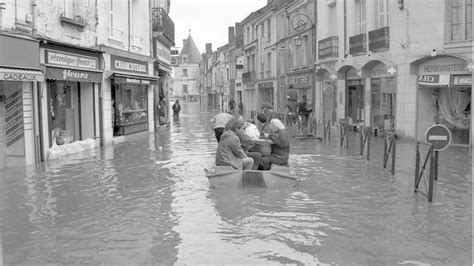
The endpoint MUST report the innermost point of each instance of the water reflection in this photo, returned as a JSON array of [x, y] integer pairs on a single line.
[[147, 201]]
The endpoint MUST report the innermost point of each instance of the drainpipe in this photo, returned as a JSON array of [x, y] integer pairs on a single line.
[[345, 28], [33, 10], [129, 24]]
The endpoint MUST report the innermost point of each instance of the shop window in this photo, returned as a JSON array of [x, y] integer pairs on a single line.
[[453, 106], [383, 105], [459, 20], [64, 111], [130, 103]]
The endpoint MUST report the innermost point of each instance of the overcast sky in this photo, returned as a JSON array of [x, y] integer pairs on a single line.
[[209, 20]]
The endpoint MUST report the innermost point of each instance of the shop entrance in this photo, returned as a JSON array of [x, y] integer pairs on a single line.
[[383, 103], [355, 106]]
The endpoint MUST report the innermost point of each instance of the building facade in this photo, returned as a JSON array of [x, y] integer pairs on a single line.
[[186, 73]]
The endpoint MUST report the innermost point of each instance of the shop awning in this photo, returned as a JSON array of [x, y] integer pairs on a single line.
[[134, 79], [73, 75], [12, 74]]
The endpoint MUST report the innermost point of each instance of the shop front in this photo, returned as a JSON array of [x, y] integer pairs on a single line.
[[265, 92], [19, 77], [131, 95], [355, 97], [299, 85], [383, 97], [73, 78], [444, 97]]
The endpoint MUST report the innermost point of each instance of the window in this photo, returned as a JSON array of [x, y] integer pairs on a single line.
[[269, 32], [68, 8], [361, 16], [269, 64], [184, 58], [185, 88], [459, 20], [381, 14], [185, 72]]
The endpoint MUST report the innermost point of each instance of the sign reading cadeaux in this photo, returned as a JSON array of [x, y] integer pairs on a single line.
[[124, 64], [438, 135]]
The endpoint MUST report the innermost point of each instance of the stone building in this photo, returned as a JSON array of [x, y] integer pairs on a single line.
[[186, 73]]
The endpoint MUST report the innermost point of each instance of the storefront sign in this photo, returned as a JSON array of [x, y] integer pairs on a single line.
[[433, 80], [20, 75], [128, 65], [132, 80], [444, 65], [20, 52], [381, 70], [72, 75], [462, 80], [298, 80], [264, 85], [163, 53], [71, 60]]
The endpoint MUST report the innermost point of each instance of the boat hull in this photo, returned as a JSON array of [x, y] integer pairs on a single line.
[[228, 177]]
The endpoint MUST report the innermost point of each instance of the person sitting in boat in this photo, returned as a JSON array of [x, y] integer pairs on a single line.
[[229, 150], [262, 124], [247, 140], [280, 147]]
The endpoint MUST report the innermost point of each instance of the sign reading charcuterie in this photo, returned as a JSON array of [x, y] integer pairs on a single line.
[[128, 65]]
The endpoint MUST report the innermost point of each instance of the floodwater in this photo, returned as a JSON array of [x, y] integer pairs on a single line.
[[147, 201]]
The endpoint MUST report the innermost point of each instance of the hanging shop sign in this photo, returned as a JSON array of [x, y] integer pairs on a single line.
[[72, 75], [62, 59], [124, 64]]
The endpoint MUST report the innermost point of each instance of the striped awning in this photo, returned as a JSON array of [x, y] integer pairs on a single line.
[[13, 74]]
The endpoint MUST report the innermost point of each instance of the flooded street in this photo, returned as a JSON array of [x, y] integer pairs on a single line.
[[146, 201]]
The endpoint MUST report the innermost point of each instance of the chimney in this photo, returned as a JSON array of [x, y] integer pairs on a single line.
[[238, 30], [231, 35], [208, 48]]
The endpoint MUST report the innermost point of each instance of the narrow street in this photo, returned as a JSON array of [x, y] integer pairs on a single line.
[[146, 201]]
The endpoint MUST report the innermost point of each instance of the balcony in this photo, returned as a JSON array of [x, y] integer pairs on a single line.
[[379, 39], [248, 77], [163, 25], [328, 47], [358, 44]]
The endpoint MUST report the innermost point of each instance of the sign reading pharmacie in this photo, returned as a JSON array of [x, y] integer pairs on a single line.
[[124, 64]]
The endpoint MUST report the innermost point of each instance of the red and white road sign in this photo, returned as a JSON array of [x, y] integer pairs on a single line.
[[438, 135]]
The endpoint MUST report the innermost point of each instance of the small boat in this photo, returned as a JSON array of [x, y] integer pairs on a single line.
[[279, 176]]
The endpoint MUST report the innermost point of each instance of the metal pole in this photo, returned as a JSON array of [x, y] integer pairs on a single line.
[[394, 148], [417, 165], [436, 165], [368, 143], [432, 175]]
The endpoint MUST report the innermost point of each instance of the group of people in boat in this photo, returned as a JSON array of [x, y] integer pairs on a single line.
[[239, 140]]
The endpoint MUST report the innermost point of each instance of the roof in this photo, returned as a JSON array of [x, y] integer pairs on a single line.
[[190, 49]]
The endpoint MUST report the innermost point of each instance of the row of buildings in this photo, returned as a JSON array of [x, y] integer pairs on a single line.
[[393, 65], [79, 69]]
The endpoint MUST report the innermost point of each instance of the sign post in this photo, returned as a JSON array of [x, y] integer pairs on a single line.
[[440, 136]]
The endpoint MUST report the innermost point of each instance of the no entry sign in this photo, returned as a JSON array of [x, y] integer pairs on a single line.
[[438, 135]]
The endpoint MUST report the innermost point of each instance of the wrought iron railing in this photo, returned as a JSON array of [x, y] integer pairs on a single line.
[[163, 23]]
